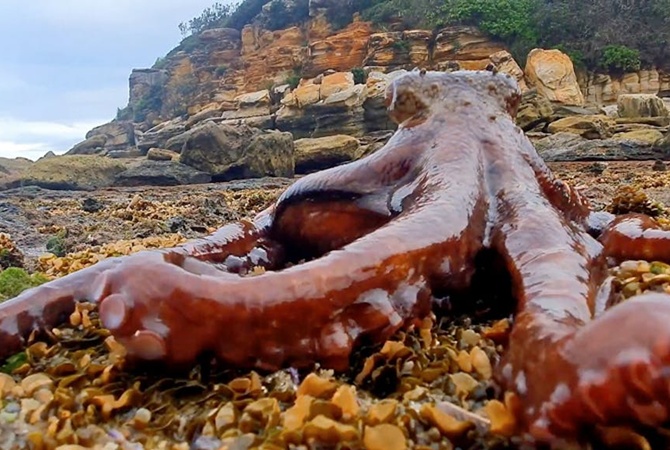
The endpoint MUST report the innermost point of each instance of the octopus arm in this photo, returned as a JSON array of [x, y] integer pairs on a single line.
[[636, 236], [44, 307], [314, 311]]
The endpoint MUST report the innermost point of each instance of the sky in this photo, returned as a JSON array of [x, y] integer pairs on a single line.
[[65, 64]]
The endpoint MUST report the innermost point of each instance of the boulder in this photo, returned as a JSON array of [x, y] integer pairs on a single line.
[[663, 144], [589, 127], [641, 105], [253, 104], [159, 135], [95, 145], [162, 154], [572, 147], [230, 153], [647, 137], [504, 62], [551, 72], [112, 136], [315, 154], [68, 172], [160, 173], [534, 110]]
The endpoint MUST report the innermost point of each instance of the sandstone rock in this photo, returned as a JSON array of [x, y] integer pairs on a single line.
[[203, 115], [132, 152], [253, 104], [334, 83], [504, 62], [610, 111], [162, 154], [391, 50], [161, 134], [119, 134], [342, 51], [95, 145], [352, 97], [68, 172], [312, 155], [571, 147], [648, 137], [260, 122], [304, 95], [376, 115], [160, 173], [466, 45], [552, 73], [641, 105], [321, 120], [589, 127], [267, 56], [652, 121], [534, 110], [663, 144], [142, 81], [238, 152], [606, 89]]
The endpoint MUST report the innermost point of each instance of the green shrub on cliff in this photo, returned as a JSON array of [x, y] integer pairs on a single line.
[[619, 58]]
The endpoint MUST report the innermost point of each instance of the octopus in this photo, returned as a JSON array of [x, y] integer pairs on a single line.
[[354, 253]]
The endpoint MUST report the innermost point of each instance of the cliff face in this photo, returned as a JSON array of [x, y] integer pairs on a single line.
[[220, 64]]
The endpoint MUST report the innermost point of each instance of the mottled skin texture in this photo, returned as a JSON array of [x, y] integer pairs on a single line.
[[380, 236]]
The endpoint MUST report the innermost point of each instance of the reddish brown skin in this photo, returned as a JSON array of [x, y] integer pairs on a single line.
[[383, 233]]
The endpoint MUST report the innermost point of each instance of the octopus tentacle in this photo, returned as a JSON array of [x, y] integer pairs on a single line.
[[317, 311], [45, 307], [636, 236]]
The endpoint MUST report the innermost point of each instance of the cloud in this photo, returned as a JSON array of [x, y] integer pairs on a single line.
[[32, 139], [68, 71]]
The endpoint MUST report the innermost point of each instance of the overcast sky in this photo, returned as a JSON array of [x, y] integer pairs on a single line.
[[65, 64]]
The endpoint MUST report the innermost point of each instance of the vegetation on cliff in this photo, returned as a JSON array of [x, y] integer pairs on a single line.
[[611, 35]]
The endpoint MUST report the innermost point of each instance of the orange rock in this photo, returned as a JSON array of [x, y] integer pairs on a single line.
[[345, 398], [382, 411], [316, 386], [448, 425], [384, 437], [295, 416], [341, 51], [502, 420], [552, 73], [336, 82]]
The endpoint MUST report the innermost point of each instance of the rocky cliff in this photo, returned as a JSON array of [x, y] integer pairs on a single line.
[[259, 102]]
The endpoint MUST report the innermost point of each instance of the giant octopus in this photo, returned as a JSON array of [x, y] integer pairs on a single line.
[[357, 252]]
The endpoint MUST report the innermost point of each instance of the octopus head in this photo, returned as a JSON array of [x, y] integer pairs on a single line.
[[418, 92]]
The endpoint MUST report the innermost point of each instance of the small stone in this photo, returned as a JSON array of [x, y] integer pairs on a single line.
[[659, 166], [31, 383], [382, 411], [470, 338], [316, 386], [345, 398], [384, 437], [481, 363], [448, 425]]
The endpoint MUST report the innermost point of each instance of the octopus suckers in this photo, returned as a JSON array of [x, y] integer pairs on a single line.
[[521, 383], [9, 326], [632, 355]]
